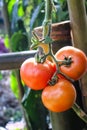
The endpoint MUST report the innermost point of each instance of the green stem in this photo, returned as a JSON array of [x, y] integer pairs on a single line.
[[80, 112], [58, 63], [6, 18], [48, 10], [48, 18]]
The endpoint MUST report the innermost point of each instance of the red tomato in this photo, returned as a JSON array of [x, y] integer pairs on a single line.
[[78, 67], [60, 97], [36, 75], [86, 69]]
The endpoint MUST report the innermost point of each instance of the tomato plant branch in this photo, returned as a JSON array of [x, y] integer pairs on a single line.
[[80, 112], [46, 34], [67, 61], [6, 19], [47, 20]]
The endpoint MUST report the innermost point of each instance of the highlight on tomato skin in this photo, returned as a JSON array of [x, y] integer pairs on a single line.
[[36, 75], [60, 97], [79, 62]]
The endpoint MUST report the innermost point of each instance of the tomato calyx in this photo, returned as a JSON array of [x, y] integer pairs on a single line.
[[67, 61], [53, 80], [40, 55], [36, 41]]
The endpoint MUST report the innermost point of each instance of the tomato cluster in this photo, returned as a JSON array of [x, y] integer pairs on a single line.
[[61, 95]]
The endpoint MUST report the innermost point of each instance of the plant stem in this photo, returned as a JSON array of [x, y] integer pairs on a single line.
[[47, 20], [6, 19], [48, 10], [46, 29], [80, 112]]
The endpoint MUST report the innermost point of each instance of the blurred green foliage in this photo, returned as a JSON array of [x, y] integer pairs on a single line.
[[14, 84]]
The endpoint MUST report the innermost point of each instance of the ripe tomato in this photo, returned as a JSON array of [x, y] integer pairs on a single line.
[[78, 66], [86, 68], [60, 97], [36, 75]]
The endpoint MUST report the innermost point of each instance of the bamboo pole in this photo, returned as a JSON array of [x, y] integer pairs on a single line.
[[14, 60], [78, 21]]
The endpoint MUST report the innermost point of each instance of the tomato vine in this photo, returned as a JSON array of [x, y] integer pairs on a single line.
[[41, 57], [47, 40]]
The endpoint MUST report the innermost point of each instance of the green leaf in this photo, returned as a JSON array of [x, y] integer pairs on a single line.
[[25, 3], [20, 10], [1, 77], [35, 15], [35, 109], [10, 5], [14, 84], [7, 41], [19, 42], [14, 17]]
